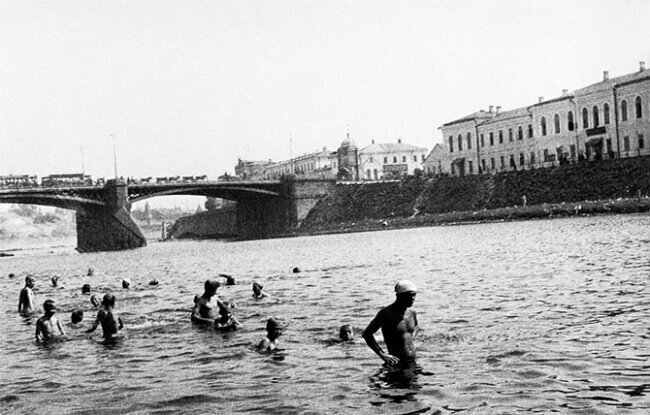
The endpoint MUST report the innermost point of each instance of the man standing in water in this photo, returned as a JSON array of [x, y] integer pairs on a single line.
[[26, 299], [206, 307], [399, 325]]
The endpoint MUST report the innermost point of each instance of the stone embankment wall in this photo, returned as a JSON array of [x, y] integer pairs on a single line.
[[417, 196], [220, 223]]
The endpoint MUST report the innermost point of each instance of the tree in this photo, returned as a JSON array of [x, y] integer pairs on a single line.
[[211, 204], [147, 213]]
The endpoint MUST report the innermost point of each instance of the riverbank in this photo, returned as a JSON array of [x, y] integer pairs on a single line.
[[514, 213]]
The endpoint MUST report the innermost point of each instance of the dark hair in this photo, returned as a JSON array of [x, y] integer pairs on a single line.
[[109, 300], [211, 285], [49, 305], [77, 316], [85, 288]]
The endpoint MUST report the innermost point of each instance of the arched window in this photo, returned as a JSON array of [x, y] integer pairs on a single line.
[[585, 118], [556, 123], [606, 113], [594, 112], [570, 124], [460, 142], [543, 125], [637, 107], [451, 145], [469, 141], [624, 110], [520, 133]]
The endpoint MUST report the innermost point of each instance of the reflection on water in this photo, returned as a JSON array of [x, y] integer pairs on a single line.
[[523, 317]]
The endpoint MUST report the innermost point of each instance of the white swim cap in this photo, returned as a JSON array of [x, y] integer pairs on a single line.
[[405, 286]]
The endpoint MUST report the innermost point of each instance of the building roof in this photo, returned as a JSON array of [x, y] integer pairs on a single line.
[[390, 148], [479, 115], [619, 80]]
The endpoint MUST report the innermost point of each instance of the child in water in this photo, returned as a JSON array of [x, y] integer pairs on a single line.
[[110, 321], [258, 291], [227, 321], [273, 332], [45, 326], [346, 333]]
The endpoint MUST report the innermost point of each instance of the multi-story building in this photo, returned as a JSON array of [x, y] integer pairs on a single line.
[[389, 160], [605, 120]]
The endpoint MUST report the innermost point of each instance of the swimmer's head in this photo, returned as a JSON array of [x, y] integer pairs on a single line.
[[405, 286], [346, 332], [77, 316], [211, 286], [85, 289], [109, 300], [126, 283], [90, 272], [273, 328], [49, 306], [12, 275], [94, 300], [30, 280], [405, 292], [257, 287]]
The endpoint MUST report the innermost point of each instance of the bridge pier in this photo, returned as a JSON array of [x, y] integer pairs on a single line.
[[260, 216], [109, 228]]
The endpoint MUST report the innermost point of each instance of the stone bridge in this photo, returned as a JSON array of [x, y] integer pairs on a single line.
[[264, 208]]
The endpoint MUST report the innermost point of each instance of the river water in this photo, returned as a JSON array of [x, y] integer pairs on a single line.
[[539, 317]]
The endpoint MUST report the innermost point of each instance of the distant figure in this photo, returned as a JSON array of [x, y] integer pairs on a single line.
[[524, 201], [230, 280], [90, 272], [94, 300], [77, 316], [126, 283], [110, 321], [273, 333], [384, 224], [206, 306], [153, 282], [85, 289], [26, 299], [258, 291], [399, 325], [227, 321], [12, 275], [296, 270], [48, 325], [55, 281], [346, 333]]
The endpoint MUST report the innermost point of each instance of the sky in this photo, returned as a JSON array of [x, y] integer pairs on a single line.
[[188, 87]]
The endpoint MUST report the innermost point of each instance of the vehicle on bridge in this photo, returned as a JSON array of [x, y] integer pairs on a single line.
[[17, 181], [76, 179]]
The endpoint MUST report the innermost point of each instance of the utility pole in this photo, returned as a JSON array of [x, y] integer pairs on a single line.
[[83, 170], [114, 156]]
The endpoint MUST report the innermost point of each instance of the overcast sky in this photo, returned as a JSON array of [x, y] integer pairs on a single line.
[[187, 87]]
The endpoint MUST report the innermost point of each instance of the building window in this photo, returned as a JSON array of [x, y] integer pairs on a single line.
[[556, 123], [545, 154], [483, 164], [376, 174], [594, 113], [572, 148], [403, 159], [451, 150], [522, 159], [606, 113], [543, 126], [482, 140], [415, 158], [530, 130], [624, 110], [585, 118], [626, 143], [460, 143], [570, 125], [532, 157], [451, 147], [492, 163], [637, 107], [512, 161], [510, 134], [453, 169], [641, 142], [470, 166], [520, 133], [503, 162], [368, 174], [395, 159], [500, 136], [491, 138], [423, 158], [469, 141]]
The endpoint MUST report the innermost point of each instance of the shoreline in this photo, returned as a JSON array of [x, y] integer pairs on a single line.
[[506, 214]]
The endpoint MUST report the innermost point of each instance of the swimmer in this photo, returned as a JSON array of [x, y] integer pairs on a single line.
[[206, 306], [55, 281], [346, 333], [110, 321], [90, 272], [258, 291], [296, 270], [126, 283], [26, 299], [398, 324], [85, 289], [45, 326], [94, 300], [153, 282], [77, 316], [273, 333], [230, 280], [12, 275], [227, 321]]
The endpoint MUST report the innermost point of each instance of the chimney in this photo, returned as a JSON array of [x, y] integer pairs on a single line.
[[541, 99], [605, 75], [498, 109], [641, 66], [373, 141], [491, 109], [399, 141], [565, 91]]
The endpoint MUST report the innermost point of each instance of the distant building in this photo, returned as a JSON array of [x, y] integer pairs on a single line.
[[605, 120], [433, 162], [250, 170], [390, 160]]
